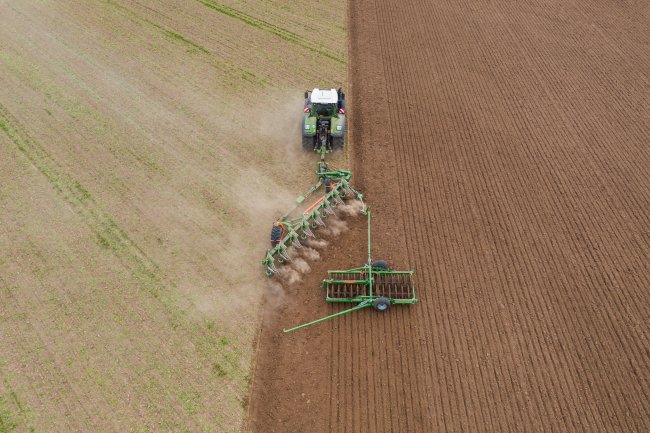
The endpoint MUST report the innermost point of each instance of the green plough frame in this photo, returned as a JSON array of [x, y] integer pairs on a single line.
[[300, 228]]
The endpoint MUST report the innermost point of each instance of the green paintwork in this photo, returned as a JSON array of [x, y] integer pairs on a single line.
[[365, 300], [310, 118], [364, 304], [375, 283], [300, 227], [337, 124], [309, 125]]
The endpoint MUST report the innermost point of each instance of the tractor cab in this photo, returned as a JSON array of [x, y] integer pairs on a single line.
[[324, 102], [324, 110]]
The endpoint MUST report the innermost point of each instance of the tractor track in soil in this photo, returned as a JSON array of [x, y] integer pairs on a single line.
[[513, 177]]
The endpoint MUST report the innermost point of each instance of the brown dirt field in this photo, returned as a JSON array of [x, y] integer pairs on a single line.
[[503, 147]]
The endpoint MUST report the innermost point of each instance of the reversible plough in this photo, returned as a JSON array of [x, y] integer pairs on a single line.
[[372, 285], [299, 225]]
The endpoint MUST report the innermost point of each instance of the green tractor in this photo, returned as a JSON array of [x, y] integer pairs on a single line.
[[323, 122]]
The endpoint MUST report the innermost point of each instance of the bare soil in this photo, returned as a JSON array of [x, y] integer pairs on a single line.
[[503, 147]]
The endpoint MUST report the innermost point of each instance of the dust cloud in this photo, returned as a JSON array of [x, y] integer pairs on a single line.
[[335, 226], [353, 208], [300, 265], [275, 294], [288, 275], [317, 243], [271, 169], [265, 170], [310, 254]]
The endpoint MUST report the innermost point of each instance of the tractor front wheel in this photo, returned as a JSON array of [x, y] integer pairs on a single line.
[[381, 304]]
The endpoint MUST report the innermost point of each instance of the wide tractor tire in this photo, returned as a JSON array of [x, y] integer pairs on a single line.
[[308, 143], [276, 235], [380, 265], [381, 304], [337, 143]]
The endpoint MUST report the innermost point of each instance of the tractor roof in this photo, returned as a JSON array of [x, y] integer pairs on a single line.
[[324, 96]]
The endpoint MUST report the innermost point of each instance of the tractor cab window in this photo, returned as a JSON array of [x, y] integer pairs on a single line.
[[324, 109]]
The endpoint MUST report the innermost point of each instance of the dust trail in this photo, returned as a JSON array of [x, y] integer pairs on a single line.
[[292, 253], [288, 275], [317, 243], [310, 254], [352, 209], [300, 265], [275, 294], [280, 126], [272, 170], [275, 299], [335, 226], [265, 172]]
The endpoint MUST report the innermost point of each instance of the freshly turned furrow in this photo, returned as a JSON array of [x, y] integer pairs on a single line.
[[496, 213], [503, 149]]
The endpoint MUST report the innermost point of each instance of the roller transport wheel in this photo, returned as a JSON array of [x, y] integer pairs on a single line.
[[380, 265], [381, 304]]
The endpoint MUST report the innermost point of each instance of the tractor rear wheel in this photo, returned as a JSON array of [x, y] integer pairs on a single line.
[[381, 265], [337, 143], [308, 143], [381, 304]]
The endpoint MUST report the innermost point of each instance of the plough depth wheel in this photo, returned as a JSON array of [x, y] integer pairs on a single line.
[[276, 235]]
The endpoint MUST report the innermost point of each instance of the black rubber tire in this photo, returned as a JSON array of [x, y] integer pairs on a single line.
[[381, 265], [308, 144], [338, 143], [328, 185], [381, 304], [276, 235]]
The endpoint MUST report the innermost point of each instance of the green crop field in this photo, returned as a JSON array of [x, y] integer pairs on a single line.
[[145, 148]]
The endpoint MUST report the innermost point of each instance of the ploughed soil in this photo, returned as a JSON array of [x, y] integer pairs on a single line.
[[503, 148]]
